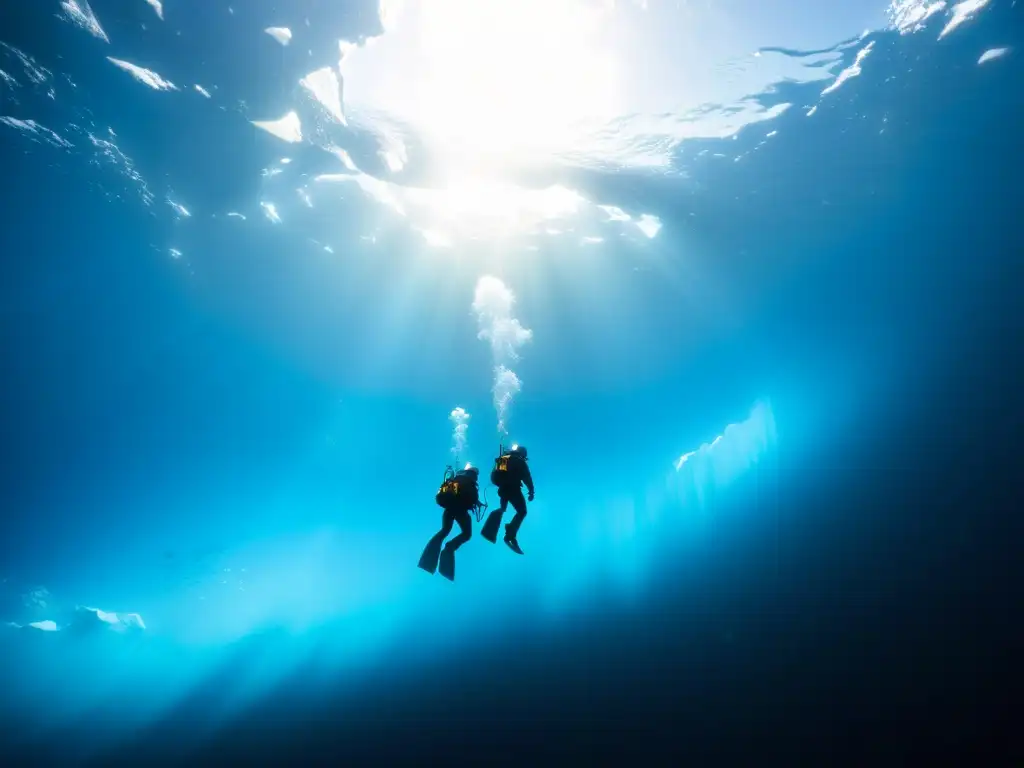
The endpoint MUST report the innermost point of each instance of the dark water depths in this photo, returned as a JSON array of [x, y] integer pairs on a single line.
[[233, 427]]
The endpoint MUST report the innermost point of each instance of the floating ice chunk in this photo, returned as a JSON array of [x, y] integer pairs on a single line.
[[992, 54], [851, 71], [324, 86], [270, 211], [288, 128], [145, 76], [283, 35], [80, 14], [962, 13], [649, 225], [91, 619], [36, 131]]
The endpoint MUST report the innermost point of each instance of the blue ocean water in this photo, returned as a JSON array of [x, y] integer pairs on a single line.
[[739, 276]]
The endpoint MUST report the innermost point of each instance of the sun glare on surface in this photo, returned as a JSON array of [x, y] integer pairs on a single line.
[[478, 209], [491, 91], [482, 209], [500, 79]]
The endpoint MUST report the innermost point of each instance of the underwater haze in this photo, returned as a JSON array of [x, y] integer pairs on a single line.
[[744, 277]]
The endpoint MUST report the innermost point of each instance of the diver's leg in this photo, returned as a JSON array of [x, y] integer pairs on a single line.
[[465, 530], [519, 505], [512, 529], [446, 563], [447, 521], [493, 522]]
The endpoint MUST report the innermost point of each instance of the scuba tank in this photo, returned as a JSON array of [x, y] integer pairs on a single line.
[[449, 490], [500, 472], [458, 486]]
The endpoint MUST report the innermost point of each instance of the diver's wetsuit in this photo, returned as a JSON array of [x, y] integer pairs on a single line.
[[453, 513], [458, 515], [511, 492]]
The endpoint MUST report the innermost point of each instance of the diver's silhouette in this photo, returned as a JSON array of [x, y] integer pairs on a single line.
[[510, 474], [458, 496]]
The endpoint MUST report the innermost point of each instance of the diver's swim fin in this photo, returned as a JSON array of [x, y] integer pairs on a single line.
[[512, 543], [447, 565], [490, 529], [428, 560]]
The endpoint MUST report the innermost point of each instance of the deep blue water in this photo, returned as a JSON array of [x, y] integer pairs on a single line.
[[766, 333]]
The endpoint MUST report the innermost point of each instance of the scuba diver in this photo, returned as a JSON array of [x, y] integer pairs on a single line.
[[458, 495], [510, 474]]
